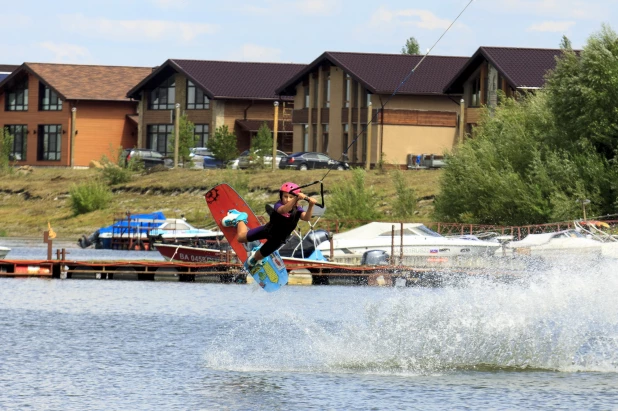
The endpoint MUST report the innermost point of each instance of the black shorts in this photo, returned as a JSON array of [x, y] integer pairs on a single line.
[[262, 233]]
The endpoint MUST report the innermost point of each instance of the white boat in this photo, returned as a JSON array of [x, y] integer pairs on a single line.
[[4, 251], [417, 241], [565, 243]]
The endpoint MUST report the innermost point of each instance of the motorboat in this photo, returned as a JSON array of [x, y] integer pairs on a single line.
[[3, 252], [139, 231], [408, 241], [577, 242]]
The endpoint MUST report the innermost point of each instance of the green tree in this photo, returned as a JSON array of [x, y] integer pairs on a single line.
[[510, 173], [223, 144], [565, 43], [6, 147], [583, 90], [411, 47], [261, 145], [186, 141]]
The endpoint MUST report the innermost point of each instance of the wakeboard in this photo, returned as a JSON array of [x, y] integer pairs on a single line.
[[270, 273]]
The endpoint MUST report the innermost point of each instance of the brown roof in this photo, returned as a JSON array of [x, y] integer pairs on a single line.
[[254, 125], [85, 82], [383, 73], [225, 79], [521, 67]]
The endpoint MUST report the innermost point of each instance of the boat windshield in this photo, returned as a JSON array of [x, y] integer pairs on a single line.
[[418, 230], [427, 231]]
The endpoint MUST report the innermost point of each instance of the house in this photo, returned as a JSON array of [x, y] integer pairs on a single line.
[[337, 94], [512, 70], [67, 114], [240, 95]]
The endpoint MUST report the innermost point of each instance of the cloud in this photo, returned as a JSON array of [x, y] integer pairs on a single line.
[[169, 4], [253, 52], [556, 8], [552, 26], [66, 53], [136, 30], [16, 21], [293, 8], [423, 19], [322, 7]]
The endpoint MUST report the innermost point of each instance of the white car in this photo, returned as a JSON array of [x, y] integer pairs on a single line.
[[245, 160]]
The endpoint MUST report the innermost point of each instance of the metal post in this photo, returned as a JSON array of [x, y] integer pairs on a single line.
[[275, 132], [176, 134], [73, 116], [368, 142]]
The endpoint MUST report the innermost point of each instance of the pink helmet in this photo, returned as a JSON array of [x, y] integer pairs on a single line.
[[288, 188]]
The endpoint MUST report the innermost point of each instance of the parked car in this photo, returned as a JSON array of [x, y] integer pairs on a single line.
[[306, 160], [245, 159], [203, 158], [148, 157]]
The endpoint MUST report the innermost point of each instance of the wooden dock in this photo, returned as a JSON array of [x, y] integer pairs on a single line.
[[230, 273]]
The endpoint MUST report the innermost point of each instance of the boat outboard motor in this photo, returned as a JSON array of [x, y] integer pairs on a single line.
[[313, 238], [85, 242], [375, 257]]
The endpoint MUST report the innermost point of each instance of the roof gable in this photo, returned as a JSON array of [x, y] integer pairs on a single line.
[[521, 67], [227, 79], [85, 82], [383, 73]]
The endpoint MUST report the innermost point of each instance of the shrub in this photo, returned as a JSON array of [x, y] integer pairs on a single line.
[[113, 174], [89, 197], [404, 204], [353, 200], [6, 145]]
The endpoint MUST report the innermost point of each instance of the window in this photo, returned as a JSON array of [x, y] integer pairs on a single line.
[[327, 89], [306, 137], [49, 138], [354, 94], [306, 87], [325, 138], [48, 99], [196, 99], [354, 147], [201, 131], [315, 91], [19, 133], [314, 137], [164, 96], [347, 83], [475, 97], [157, 138], [346, 138], [17, 97]]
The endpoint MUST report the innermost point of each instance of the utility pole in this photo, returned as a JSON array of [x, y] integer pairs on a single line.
[[275, 132], [176, 134]]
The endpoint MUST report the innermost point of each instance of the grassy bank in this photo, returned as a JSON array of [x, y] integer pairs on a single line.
[[29, 201]]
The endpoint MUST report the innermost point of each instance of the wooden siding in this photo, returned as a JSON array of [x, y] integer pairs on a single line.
[[419, 118], [300, 116], [102, 128], [472, 115]]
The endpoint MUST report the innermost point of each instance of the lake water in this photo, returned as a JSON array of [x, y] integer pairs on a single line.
[[550, 342]]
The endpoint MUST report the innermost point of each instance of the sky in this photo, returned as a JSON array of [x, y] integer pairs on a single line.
[[148, 32]]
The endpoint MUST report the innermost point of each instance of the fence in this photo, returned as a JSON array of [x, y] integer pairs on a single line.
[[456, 229]]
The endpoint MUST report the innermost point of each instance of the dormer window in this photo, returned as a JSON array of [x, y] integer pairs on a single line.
[[196, 99], [164, 96], [17, 97], [48, 99]]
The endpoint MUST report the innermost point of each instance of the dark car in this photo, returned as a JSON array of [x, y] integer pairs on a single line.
[[148, 157], [306, 160]]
